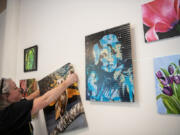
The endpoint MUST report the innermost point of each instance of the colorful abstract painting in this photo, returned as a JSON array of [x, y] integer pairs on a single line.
[[28, 86], [30, 59], [109, 72], [66, 113], [167, 78], [161, 19]]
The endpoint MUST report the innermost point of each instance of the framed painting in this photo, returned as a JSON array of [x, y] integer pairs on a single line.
[[30, 58], [109, 72], [167, 81], [161, 19], [66, 113], [28, 86]]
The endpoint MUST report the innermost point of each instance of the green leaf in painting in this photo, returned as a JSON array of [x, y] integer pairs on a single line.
[[170, 104], [160, 84], [177, 101], [178, 91], [174, 87], [167, 108], [177, 71], [165, 72]]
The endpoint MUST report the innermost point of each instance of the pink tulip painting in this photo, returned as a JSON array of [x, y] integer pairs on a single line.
[[161, 19]]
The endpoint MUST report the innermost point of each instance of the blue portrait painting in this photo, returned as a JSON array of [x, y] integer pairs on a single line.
[[109, 72]]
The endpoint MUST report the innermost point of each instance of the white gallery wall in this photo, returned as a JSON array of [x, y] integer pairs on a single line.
[[8, 39], [2, 28], [59, 28]]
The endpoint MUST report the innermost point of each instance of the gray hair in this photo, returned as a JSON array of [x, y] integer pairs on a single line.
[[4, 90]]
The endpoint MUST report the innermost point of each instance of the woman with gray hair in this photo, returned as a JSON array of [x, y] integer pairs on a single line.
[[15, 112]]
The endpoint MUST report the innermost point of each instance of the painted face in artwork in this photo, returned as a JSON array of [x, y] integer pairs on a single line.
[[108, 53], [108, 59]]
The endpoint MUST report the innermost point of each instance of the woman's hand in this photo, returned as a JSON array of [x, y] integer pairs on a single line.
[[72, 78]]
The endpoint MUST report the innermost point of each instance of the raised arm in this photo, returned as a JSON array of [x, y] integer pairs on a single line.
[[33, 95], [52, 95]]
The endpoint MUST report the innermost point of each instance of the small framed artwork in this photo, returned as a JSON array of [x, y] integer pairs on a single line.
[[161, 19], [30, 58]]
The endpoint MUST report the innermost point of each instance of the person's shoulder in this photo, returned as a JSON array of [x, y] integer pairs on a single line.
[[18, 104]]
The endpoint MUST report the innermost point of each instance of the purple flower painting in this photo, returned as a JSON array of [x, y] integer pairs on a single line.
[[167, 77], [161, 19]]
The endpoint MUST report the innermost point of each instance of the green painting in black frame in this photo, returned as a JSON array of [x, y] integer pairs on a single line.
[[30, 58]]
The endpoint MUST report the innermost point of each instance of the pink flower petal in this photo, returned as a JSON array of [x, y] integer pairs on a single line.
[[162, 27], [160, 11], [151, 35]]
